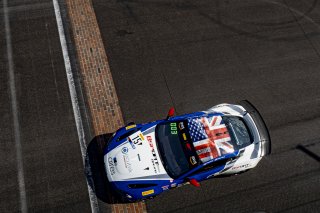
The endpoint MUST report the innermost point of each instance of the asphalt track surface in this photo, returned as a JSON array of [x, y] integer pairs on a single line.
[[195, 54], [186, 54], [53, 173]]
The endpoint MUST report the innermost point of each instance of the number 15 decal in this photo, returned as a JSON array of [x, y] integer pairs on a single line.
[[137, 138]]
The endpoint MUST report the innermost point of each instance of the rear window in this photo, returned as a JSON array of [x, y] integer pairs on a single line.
[[238, 130]]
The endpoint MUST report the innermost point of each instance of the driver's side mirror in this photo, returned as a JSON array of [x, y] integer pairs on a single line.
[[194, 182], [170, 113]]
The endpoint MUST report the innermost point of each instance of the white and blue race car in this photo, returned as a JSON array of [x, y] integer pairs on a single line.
[[143, 160]]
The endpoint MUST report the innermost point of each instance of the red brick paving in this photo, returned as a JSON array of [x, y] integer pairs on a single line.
[[101, 97]]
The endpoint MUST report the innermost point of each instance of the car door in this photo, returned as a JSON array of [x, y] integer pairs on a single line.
[[208, 170]]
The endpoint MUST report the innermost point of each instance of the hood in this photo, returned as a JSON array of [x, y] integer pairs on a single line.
[[210, 137], [136, 159]]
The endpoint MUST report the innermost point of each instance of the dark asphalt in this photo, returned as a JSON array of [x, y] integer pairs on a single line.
[[53, 169], [195, 54]]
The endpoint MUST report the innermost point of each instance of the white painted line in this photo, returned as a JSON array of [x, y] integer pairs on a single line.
[[14, 106], [74, 99]]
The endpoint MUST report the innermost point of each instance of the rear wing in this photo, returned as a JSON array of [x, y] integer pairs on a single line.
[[261, 126]]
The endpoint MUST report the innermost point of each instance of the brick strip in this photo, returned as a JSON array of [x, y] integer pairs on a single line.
[[101, 97]]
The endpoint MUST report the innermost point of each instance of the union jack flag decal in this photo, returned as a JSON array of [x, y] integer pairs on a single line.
[[210, 137]]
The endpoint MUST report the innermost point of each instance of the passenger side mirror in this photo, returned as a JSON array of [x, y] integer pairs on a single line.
[[194, 182], [170, 113]]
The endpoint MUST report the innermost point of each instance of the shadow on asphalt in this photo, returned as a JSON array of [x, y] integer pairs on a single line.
[[95, 172]]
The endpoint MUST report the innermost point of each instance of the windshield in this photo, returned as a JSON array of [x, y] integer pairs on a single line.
[[175, 146], [239, 133]]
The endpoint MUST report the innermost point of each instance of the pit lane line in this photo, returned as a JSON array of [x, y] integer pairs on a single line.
[[14, 107], [74, 100]]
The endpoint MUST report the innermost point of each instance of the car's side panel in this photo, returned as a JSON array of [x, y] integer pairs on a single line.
[[244, 161], [199, 176], [144, 192], [207, 174]]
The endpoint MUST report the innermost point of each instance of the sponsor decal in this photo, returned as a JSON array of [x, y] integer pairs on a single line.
[[124, 150], [164, 188], [111, 166], [137, 138], [130, 127], [154, 160], [184, 136], [193, 160], [149, 192], [181, 126], [241, 166], [127, 163]]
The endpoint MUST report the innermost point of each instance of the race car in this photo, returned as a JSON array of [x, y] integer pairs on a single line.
[[143, 160]]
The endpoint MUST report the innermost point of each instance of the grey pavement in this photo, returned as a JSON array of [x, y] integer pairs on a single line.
[[53, 169], [195, 54]]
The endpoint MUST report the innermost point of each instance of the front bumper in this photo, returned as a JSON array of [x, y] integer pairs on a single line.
[[265, 139]]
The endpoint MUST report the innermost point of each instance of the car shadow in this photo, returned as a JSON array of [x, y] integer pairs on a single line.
[[95, 171]]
